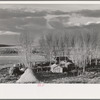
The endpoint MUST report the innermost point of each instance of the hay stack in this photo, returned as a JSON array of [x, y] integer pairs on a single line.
[[28, 77]]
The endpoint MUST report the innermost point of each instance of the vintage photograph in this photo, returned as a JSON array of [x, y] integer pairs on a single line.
[[50, 43]]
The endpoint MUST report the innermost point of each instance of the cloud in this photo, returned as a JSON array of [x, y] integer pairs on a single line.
[[8, 33], [89, 13], [87, 23]]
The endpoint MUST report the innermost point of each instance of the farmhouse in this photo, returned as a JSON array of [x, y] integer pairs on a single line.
[[56, 69], [52, 67]]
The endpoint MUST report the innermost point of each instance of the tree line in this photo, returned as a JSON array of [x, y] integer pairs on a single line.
[[81, 45]]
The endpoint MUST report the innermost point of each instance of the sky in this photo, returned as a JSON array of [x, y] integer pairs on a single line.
[[63, 7]]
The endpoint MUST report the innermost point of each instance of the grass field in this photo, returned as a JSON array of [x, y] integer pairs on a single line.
[[9, 59], [15, 59]]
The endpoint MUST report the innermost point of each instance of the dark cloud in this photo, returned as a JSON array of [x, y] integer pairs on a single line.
[[89, 13]]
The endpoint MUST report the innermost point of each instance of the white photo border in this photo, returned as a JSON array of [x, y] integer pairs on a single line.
[[49, 91]]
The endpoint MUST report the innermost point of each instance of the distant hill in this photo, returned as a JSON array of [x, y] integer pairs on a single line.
[[5, 45]]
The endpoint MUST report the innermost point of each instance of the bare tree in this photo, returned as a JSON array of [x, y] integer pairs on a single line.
[[26, 43], [81, 44]]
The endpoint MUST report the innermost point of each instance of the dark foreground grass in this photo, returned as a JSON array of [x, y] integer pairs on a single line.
[[5, 77], [48, 77]]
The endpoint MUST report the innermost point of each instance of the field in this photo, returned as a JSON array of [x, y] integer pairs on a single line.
[[88, 77], [45, 77], [9, 60]]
